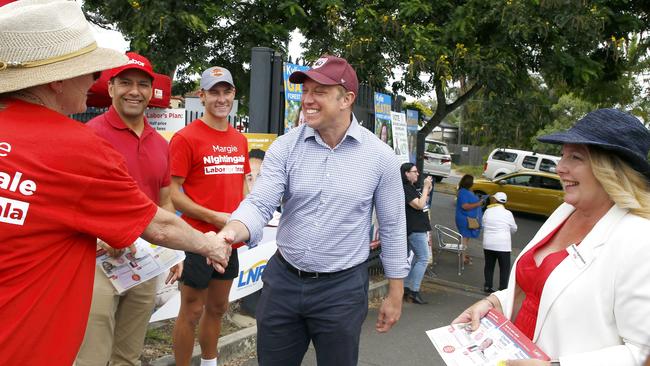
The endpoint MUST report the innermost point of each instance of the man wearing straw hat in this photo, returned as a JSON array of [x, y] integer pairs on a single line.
[[61, 186]]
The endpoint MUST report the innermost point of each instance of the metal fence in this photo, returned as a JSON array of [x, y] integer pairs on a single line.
[[89, 114], [468, 154]]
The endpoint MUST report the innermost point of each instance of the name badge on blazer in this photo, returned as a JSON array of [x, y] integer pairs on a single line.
[[575, 256]]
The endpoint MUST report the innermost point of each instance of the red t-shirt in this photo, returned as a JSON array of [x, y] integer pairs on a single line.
[[61, 186], [147, 156], [214, 164], [531, 279]]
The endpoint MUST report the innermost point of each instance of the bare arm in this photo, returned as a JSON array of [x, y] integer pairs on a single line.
[[420, 203], [245, 185], [190, 208], [166, 199], [168, 230], [234, 232], [469, 206], [474, 313], [166, 203], [391, 308]]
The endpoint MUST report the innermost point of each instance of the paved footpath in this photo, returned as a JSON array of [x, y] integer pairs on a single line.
[[447, 292], [406, 344]]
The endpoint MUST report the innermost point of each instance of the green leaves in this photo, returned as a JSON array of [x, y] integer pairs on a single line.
[[515, 50], [415, 8], [193, 22], [292, 8]]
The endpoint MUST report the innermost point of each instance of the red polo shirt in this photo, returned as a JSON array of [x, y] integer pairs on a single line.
[[147, 156]]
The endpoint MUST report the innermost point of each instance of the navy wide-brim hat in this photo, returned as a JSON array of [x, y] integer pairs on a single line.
[[611, 130]]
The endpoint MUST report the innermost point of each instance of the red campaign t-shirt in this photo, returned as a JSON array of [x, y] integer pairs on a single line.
[[214, 164], [147, 156], [61, 186]]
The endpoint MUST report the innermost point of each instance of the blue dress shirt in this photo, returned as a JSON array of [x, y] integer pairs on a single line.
[[327, 197]]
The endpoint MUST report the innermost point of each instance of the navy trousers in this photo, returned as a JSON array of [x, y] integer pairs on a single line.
[[327, 311]]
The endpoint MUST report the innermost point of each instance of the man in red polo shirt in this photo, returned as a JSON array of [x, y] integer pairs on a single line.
[[118, 322]]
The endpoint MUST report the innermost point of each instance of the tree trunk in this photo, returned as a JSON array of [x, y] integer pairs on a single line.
[[442, 110]]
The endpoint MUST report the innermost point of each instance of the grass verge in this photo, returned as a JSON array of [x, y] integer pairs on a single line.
[[475, 170]]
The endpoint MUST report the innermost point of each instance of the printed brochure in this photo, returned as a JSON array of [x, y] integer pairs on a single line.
[[495, 340], [129, 270]]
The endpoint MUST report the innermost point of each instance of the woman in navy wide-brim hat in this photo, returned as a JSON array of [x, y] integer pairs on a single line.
[[580, 288]]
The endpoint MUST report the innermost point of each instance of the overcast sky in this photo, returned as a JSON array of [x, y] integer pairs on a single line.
[[114, 39]]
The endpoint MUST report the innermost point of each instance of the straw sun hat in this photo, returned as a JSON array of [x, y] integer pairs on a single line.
[[48, 40]]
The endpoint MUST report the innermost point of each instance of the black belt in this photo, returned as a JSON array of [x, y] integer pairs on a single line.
[[304, 274]]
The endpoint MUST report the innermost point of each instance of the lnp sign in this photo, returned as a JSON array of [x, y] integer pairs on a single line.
[[252, 263]]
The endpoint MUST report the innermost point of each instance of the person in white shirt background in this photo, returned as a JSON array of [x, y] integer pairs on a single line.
[[498, 225]]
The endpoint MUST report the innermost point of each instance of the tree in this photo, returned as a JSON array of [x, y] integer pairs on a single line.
[[567, 111], [183, 38], [422, 109], [489, 46], [451, 48], [508, 120], [169, 33]]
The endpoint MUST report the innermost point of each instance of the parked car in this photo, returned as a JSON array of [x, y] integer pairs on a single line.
[[504, 161], [528, 191], [437, 160]]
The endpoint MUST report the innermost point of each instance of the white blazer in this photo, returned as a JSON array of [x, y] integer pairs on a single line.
[[595, 310]]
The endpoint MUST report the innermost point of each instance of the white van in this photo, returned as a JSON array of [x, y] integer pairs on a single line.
[[504, 161]]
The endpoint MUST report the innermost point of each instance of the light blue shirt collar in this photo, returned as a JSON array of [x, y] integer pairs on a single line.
[[354, 130]]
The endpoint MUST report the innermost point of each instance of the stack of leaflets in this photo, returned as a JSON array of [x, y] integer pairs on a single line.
[[495, 340]]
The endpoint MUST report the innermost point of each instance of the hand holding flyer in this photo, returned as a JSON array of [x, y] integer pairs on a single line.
[[495, 340], [134, 267]]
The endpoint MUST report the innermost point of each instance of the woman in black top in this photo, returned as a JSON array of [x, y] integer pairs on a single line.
[[417, 227]]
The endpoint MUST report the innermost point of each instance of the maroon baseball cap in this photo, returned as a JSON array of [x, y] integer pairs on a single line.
[[137, 62], [329, 70]]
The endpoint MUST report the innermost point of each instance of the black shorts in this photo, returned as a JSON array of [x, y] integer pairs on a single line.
[[197, 273]]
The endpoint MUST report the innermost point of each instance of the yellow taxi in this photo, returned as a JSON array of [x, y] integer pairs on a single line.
[[527, 190]]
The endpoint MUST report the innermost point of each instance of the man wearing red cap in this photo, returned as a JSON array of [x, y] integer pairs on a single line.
[[118, 322], [316, 286]]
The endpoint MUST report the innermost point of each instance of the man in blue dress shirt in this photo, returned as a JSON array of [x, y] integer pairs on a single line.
[[327, 174]]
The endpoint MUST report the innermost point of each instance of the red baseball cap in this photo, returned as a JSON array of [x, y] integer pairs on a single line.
[[329, 70], [137, 62]]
